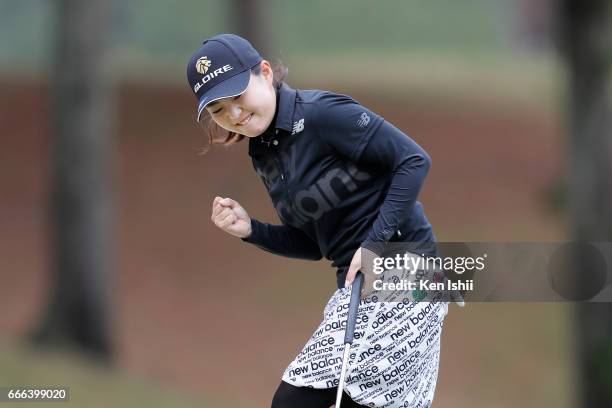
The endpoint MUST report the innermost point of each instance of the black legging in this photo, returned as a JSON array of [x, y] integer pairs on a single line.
[[290, 396]]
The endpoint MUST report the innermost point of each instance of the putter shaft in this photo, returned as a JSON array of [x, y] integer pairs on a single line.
[[349, 335]]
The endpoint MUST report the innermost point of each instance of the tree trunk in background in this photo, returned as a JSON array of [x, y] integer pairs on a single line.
[[585, 39], [80, 220], [252, 20]]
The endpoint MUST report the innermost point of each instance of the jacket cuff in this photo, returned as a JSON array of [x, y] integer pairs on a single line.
[[255, 232], [377, 247]]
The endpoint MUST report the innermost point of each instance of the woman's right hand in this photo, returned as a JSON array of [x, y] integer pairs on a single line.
[[228, 215]]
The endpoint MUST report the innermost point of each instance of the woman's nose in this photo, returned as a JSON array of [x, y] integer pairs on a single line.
[[234, 111]]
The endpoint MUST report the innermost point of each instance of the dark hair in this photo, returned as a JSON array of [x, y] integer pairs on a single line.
[[216, 132]]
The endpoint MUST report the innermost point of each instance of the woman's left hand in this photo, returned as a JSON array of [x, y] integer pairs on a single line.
[[365, 267]]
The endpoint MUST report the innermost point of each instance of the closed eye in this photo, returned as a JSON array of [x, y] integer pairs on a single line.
[[220, 109]]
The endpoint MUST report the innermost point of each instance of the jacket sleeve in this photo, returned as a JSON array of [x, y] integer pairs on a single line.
[[408, 165], [283, 240], [366, 138]]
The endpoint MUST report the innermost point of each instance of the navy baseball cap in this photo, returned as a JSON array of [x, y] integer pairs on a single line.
[[221, 68]]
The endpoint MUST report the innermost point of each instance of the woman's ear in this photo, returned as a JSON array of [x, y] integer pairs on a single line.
[[266, 71]]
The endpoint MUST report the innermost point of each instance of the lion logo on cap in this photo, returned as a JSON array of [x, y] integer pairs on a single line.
[[202, 65]]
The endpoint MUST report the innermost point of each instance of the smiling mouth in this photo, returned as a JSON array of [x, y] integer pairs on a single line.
[[245, 120]]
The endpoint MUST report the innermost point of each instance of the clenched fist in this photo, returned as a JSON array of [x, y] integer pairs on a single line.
[[228, 215]]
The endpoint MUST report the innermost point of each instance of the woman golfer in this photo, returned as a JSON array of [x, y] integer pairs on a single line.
[[343, 181]]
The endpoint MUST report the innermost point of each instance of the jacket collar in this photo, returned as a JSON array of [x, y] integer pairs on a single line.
[[285, 107], [283, 117]]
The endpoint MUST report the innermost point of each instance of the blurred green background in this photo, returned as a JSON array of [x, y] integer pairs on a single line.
[[199, 318]]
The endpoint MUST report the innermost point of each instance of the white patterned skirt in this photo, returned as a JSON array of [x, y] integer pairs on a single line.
[[394, 358]]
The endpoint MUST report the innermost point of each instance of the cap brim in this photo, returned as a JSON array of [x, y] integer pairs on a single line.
[[233, 86]]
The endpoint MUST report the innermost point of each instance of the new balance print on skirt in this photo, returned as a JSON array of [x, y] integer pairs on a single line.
[[394, 358]]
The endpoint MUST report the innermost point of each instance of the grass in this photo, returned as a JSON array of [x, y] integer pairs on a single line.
[[90, 384], [440, 49], [528, 80], [294, 26]]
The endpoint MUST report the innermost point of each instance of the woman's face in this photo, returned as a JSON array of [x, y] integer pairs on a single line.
[[251, 113]]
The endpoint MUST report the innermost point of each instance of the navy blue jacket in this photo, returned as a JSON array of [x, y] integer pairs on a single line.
[[340, 177]]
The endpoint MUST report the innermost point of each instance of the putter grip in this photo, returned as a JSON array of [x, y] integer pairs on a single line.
[[353, 307]]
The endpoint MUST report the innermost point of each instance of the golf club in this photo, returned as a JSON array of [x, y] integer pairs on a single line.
[[350, 331]]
